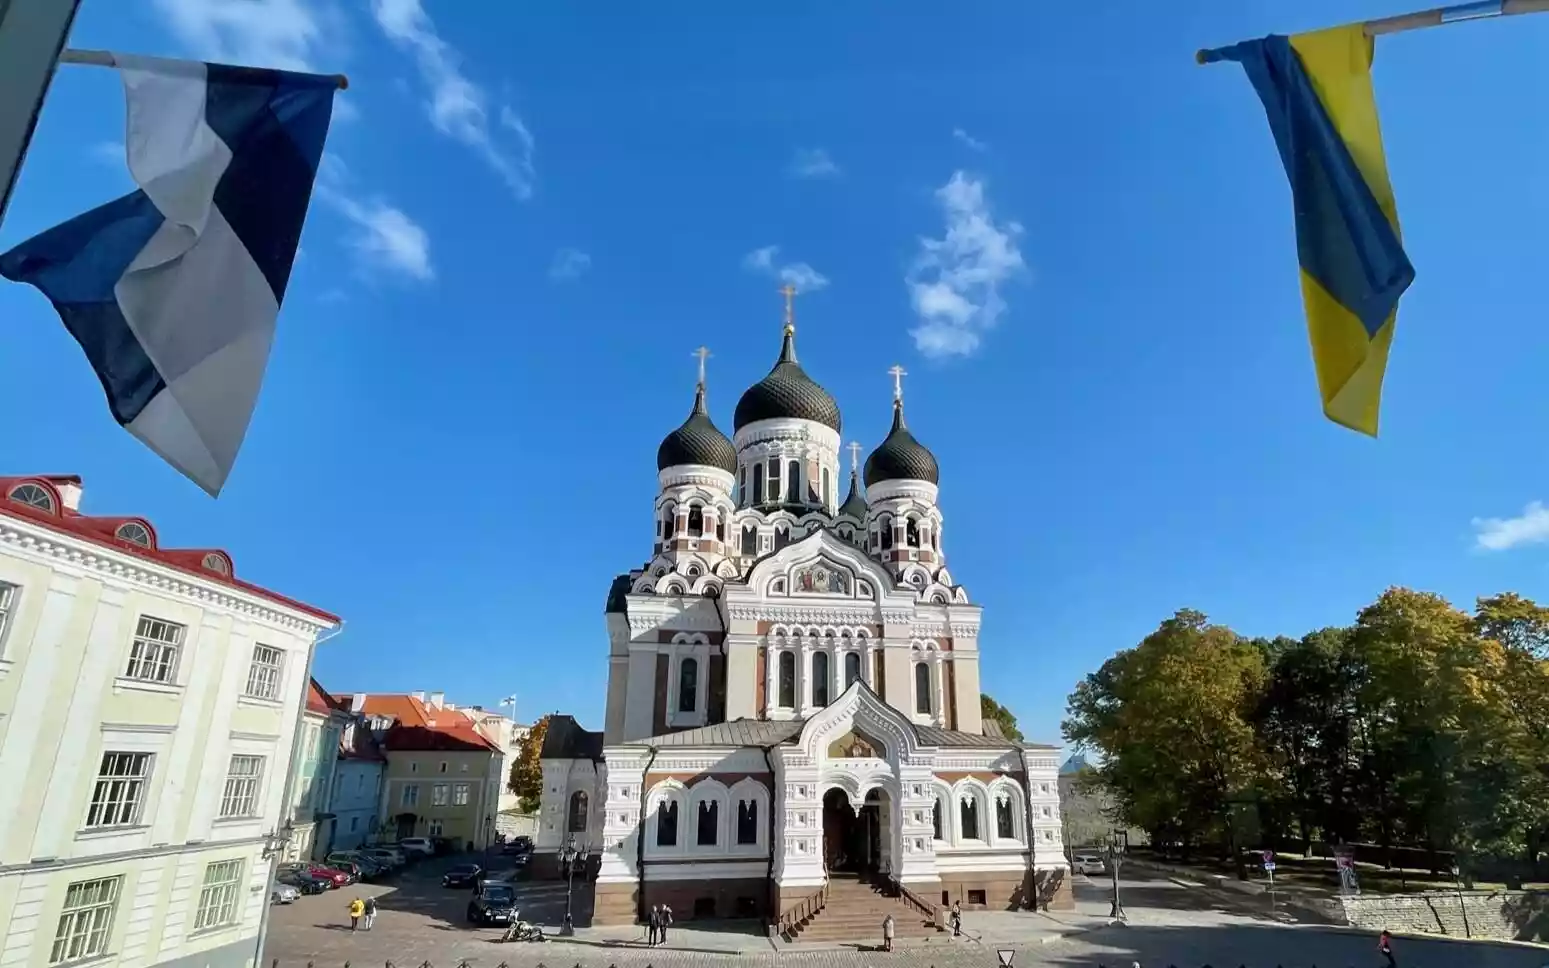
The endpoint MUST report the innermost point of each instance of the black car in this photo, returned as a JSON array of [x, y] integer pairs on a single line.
[[463, 875], [303, 882], [517, 845], [493, 903]]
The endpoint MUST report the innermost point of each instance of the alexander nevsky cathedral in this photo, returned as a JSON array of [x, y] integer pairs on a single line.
[[793, 690]]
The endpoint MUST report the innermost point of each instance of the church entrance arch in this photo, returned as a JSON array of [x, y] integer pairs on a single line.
[[856, 842]]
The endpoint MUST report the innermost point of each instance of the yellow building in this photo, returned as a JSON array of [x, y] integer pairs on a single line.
[[148, 710]]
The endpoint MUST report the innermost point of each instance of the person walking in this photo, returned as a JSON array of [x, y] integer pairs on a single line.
[[1385, 947], [666, 923], [957, 919], [370, 912], [357, 908], [887, 933], [655, 923]]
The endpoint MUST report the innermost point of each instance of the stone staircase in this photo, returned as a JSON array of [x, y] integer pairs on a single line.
[[854, 913]]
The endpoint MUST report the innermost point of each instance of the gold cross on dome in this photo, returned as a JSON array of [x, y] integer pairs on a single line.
[[704, 354], [855, 455], [898, 373], [789, 292]]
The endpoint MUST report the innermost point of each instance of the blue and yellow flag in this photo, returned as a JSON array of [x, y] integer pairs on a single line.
[[1317, 91]]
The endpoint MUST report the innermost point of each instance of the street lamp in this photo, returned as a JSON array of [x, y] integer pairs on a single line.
[[567, 864], [1462, 906], [275, 840], [1115, 852]]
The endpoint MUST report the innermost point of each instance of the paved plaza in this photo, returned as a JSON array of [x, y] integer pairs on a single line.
[[1168, 924]]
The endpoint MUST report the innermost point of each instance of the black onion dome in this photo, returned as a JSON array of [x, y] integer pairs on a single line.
[[855, 504], [787, 392], [901, 457], [697, 442]]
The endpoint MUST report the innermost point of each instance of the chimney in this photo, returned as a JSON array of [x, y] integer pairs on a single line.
[[419, 696], [69, 492], [358, 703], [438, 699]]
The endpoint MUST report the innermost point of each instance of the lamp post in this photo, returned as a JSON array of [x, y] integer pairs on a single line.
[[1462, 906], [1115, 852], [567, 864]]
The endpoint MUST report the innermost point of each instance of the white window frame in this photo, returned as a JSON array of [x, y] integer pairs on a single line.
[[461, 794], [404, 797], [85, 927], [435, 827], [696, 646], [265, 679], [242, 796], [9, 594], [155, 658], [120, 796], [219, 894], [440, 795]]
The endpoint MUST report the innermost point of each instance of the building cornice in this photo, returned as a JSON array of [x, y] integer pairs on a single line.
[[53, 548]]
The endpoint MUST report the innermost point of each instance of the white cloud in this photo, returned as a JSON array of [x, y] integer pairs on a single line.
[[969, 140], [287, 35], [798, 274], [110, 153], [569, 264], [457, 106], [1498, 534], [955, 281], [813, 163], [385, 238]]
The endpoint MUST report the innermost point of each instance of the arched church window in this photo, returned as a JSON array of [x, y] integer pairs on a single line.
[[787, 696], [793, 481], [936, 818], [742, 485], [852, 668], [828, 488], [782, 536], [921, 687], [670, 522], [667, 824], [750, 540], [709, 823], [1003, 820], [747, 822], [820, 678], [720, 529], [935, 539], [758, 483], [696, 520], [774, 480], [887, 533], [911, 533], [688, 685], [968, 813], [578, 812]]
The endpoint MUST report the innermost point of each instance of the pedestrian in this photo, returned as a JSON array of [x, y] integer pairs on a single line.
[[357, 908], [655, 922], [370, 912], [957, 919], [1385, 946], [666, 922], [887, 933]]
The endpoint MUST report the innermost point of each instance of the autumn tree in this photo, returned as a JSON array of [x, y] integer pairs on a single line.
[[526, 780], [992, 710]]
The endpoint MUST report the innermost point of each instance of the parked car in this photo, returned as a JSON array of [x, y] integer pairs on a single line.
[[333, 876], [417, 846], [1089, 864], [365, 866], [392, 857], [463, 875], [303, 882], [283, 893], [493, 903], [517, 845]]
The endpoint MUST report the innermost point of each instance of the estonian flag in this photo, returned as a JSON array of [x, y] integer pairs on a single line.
[[1317, 91], [173, 290]]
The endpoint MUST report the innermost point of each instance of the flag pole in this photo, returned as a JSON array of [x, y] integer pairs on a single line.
[[102, 58], [1437, 17]]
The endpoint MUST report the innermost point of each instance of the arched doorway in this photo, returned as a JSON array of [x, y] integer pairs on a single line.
[[856, 842]]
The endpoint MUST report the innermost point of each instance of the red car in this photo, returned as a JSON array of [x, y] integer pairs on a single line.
[[335, 878]]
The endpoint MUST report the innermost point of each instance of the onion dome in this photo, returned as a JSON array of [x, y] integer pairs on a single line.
[[901, 457], [854, 504], [787, 392], [697, 441]]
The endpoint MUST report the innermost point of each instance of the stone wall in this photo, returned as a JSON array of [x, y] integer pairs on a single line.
[[1501, 915]]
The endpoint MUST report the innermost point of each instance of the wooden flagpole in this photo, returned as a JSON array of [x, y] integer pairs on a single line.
[[1441, 16], [102, 58]]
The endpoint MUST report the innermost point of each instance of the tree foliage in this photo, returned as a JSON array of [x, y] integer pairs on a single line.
[[526, 780], [1417, 725], [990, 709]]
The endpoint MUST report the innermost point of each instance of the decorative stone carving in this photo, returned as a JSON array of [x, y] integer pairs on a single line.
[[820, 578]]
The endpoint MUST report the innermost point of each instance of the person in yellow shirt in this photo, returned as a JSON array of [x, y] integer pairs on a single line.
[[357, 908]]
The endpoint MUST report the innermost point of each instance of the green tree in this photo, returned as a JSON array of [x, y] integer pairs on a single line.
[[990, 709], [1172, 720], [526, 780]]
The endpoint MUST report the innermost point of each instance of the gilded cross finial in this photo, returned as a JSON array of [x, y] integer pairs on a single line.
[[855, 456], [704, 354], [789, 291], [898, 373]]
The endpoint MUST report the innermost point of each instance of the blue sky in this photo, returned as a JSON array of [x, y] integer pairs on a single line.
[[532, 216]]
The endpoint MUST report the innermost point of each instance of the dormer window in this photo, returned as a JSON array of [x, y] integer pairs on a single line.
[[34, 496], [135, 533], [216, 562]]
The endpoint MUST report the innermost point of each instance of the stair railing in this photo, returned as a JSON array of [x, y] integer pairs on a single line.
[[925, 908], [808, 907]]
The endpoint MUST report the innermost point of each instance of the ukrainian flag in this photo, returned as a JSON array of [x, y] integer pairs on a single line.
[[1317, 90]]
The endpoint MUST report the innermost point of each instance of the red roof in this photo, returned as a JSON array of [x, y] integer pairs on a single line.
[[418, 727], [318, 700], [439, 739], [211, 564]]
